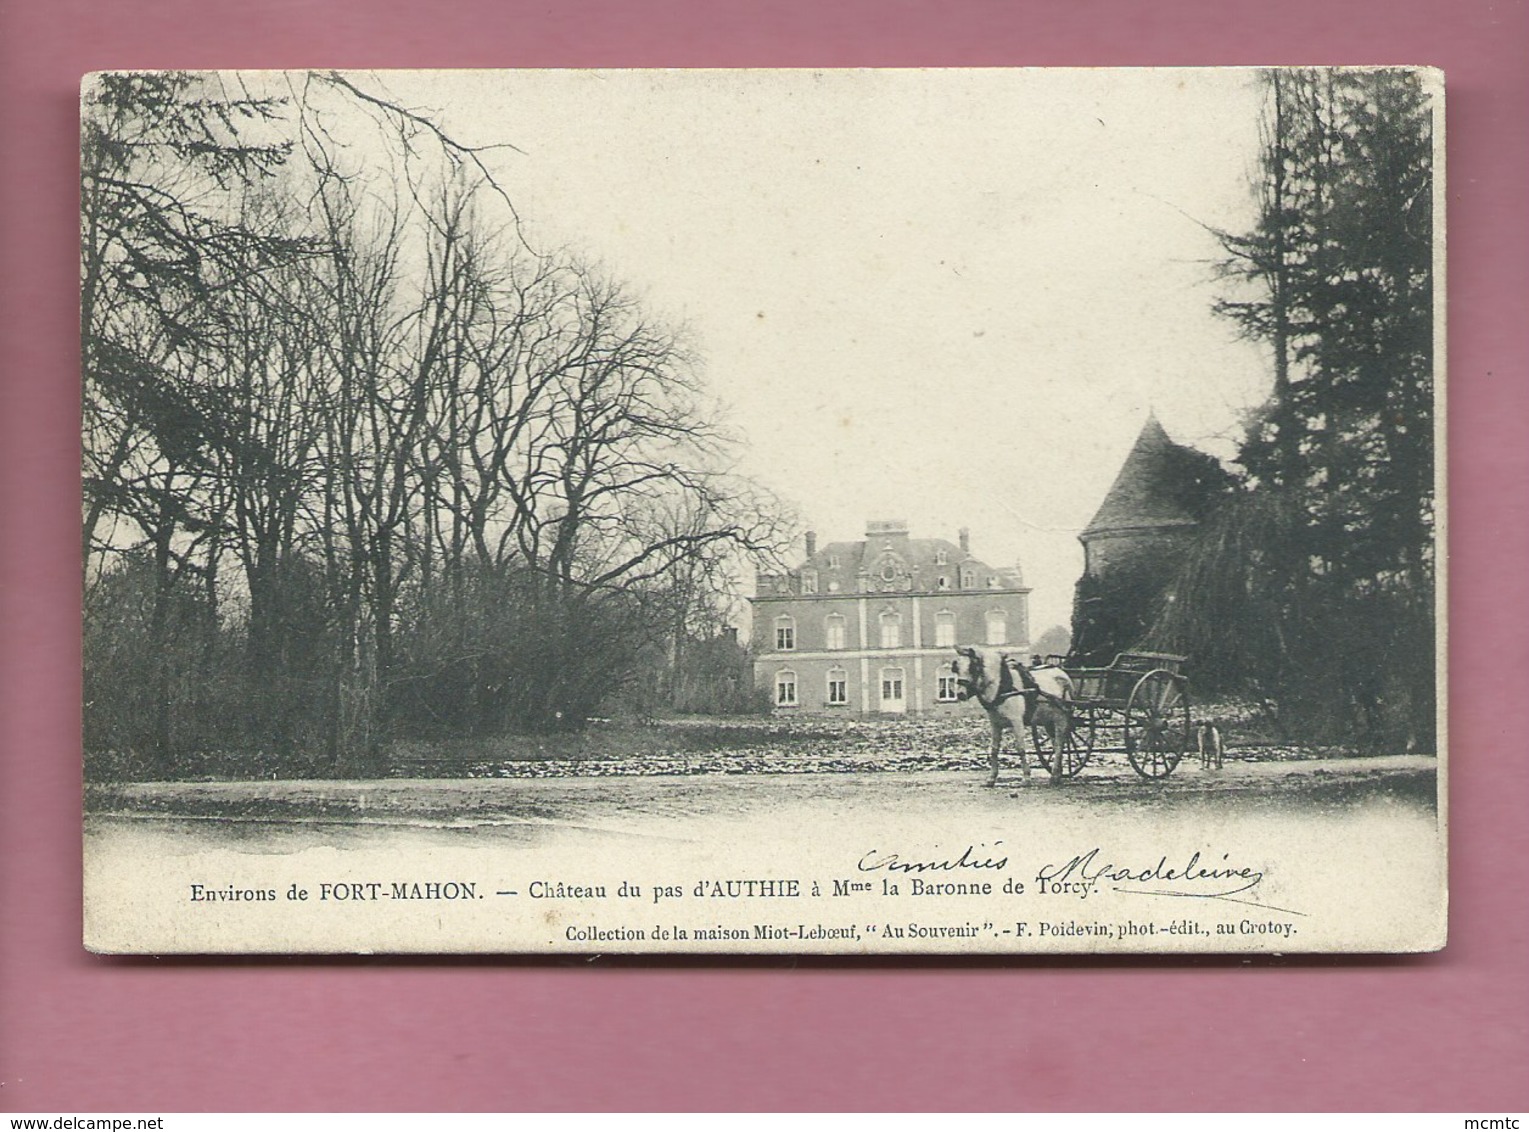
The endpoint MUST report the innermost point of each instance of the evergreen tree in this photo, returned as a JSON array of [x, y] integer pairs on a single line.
[[1333, 535]]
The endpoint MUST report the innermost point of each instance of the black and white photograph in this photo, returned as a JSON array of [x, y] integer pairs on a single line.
[[854, 512]]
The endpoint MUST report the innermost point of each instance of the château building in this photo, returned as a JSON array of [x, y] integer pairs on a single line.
[[869, 627]]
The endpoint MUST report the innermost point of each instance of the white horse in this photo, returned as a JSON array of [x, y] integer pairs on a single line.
[[1015, 697]]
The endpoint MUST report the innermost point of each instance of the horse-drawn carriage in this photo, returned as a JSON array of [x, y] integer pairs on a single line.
[[1138, 705]]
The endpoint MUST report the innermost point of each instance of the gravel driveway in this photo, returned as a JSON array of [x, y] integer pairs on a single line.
[[1408, 778]]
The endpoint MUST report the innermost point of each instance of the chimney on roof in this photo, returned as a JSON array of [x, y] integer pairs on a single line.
[[812, 543], [966, 541]]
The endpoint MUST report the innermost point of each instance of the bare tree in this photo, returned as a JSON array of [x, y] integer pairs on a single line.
[[399, 468]]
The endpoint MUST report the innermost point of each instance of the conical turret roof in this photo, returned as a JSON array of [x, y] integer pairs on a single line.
[[1161, 484]]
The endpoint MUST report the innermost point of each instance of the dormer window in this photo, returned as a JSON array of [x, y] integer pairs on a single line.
[[833, 561], [968, 577], [941, 558], [809, 581]]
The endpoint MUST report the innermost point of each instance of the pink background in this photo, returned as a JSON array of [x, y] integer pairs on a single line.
[[81, 1033]]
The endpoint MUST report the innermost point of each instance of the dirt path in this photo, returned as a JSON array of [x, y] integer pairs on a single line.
[[599, 799]]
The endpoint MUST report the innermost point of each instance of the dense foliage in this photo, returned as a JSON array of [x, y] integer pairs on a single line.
[[1315, 584]]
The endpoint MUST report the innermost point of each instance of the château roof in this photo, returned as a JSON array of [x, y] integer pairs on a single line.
[[1161, 484], [887, 560]]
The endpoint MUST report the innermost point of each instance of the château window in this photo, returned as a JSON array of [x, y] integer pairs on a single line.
[[833, 631], [945, 630], [968, 577], [809, 581], [785, 634], [941, 558], [891, 630], [785, 688], [838, 687], [891, 685], [833, 561], [997, 627], [945, 692]]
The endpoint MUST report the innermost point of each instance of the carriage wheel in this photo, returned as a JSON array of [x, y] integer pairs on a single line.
[[1157, 723], [1075, 751]]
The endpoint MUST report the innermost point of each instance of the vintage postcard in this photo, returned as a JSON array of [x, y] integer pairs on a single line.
[[705, 512]]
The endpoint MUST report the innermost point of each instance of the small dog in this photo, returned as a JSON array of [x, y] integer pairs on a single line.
[[1209, 737]]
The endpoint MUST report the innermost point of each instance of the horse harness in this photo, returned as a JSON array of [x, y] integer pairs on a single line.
[[1031, 691]]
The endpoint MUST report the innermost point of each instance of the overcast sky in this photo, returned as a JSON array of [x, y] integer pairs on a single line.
[[950, 297]]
